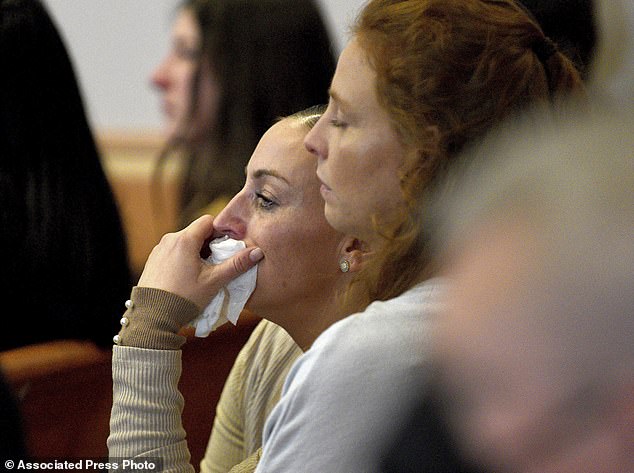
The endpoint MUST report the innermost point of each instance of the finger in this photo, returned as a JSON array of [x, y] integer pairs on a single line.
[[202, 228], [238, 264]]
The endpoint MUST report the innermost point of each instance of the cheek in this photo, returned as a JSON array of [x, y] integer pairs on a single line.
[[183, 82], [298, 256], [278, 247], [279, 277], [368, 160]]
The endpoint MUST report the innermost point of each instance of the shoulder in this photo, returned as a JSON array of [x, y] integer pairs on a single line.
[[405, 318], [351, 386], [268, 354], [269, 341], [388, 337], [267, 331]]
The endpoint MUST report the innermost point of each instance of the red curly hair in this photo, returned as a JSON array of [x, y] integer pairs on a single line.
[[447, 71]]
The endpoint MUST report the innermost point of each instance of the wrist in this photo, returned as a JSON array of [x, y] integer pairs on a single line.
[[153, 319]]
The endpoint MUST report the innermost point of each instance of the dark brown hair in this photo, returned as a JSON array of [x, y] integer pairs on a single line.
[[65, 252], [270, 59]]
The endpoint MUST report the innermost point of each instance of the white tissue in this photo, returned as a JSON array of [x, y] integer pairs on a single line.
[[230, 301]]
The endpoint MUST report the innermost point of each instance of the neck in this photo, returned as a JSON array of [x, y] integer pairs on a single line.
[[305, 321]]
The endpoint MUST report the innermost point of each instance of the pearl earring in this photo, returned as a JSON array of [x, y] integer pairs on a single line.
[[344, 265]]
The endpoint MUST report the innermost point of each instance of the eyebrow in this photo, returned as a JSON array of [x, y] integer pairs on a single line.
[[337, 98], [260, 173]]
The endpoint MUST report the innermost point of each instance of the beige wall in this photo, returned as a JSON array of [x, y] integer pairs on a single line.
[[116, 44]]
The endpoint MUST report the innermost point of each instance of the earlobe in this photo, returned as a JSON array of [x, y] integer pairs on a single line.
[[356, 261], [352, 255]]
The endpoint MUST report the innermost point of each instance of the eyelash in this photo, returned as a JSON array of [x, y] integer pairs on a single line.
[[263, 202], [336, 123]]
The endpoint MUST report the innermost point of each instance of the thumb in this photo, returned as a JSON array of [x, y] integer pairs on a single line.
[[233, 267]]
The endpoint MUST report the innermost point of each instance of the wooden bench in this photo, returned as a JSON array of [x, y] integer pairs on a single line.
[[64, 389]]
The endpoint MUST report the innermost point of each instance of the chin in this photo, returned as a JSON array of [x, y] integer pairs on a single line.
[[171, 132], [331, 217]]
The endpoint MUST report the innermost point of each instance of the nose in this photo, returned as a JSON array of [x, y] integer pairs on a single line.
[[232, 220], [160, 76], [315, 141]]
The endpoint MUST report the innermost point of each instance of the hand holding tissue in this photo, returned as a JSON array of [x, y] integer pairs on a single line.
[[229, 302]]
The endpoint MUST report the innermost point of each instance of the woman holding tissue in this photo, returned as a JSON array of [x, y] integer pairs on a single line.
[[280, 210], [420, 80]]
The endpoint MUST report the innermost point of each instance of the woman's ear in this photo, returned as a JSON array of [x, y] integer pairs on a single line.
[[352, 255]]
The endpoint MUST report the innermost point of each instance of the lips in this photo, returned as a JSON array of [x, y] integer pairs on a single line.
[[324, 190], [323, 184]]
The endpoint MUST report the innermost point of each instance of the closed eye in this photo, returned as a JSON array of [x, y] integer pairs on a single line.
[[337, 123]]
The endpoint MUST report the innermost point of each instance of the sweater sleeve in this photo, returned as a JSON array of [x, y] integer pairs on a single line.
[[145, 422], [153, 319]]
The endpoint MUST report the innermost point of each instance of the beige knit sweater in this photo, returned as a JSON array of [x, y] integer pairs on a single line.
[[146, 420]]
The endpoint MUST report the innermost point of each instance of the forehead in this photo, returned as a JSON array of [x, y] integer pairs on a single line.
[[354, 82], [281, 149]]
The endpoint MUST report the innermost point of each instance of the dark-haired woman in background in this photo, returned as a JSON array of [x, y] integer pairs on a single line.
[[234, 67]]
